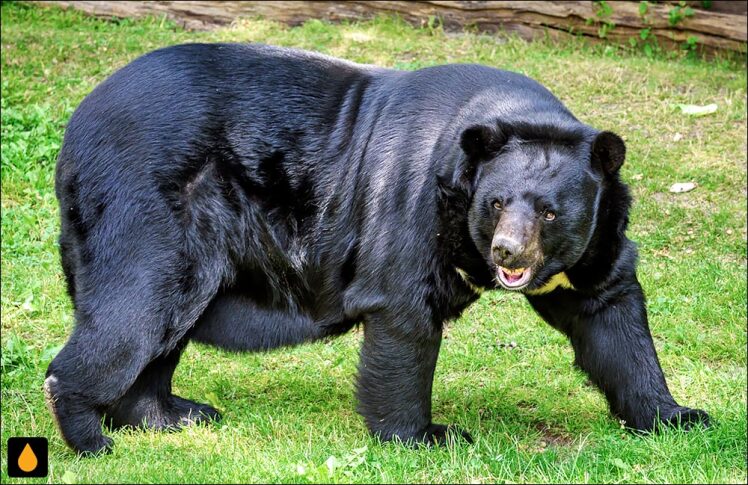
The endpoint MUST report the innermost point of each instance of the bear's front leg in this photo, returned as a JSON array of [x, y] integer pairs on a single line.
[[611, 339], [398, 358]]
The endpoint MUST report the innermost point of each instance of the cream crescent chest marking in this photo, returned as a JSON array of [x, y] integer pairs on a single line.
[[558, 280], [466, 278]]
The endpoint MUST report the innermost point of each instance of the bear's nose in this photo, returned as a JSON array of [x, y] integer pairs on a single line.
[[505, 249]]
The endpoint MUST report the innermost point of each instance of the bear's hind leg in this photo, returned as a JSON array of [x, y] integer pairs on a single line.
[[91, 371], [122, 338], [149, 403]]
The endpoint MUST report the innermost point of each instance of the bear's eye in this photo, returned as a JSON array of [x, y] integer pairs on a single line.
[[497, 205], [549, 215]]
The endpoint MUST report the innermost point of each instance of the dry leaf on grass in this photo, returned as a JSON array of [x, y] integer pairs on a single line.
[[682, 187], [696, 110]]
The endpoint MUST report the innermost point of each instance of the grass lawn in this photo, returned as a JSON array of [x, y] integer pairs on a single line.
[[289, 415]]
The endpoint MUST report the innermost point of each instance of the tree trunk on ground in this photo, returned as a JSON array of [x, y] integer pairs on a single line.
[[615, 21]]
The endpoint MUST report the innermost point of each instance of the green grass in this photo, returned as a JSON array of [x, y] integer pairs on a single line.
[[287, 412]]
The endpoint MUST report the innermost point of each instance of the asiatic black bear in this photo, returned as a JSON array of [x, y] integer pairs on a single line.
[[252, 197]]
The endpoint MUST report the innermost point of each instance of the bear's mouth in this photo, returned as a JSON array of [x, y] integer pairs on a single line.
[[514, 279]]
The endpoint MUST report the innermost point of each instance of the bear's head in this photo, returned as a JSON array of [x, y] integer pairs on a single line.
[[537, 195]]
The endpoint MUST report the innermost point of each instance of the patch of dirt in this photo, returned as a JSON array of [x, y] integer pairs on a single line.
[[526, 405], [552, 437]]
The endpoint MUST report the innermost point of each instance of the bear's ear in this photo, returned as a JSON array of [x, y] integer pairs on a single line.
[[483, 142], [608, 152]]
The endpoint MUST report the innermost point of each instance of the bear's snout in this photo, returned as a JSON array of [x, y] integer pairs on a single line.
[[515, 241], [506, 249]]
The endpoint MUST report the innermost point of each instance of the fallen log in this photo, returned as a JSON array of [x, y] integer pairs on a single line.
[[613, 21]]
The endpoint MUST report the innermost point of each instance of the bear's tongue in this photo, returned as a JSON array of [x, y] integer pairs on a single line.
[[514, 277]]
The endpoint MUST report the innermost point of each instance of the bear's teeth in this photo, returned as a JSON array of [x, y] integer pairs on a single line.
[[514, 278]]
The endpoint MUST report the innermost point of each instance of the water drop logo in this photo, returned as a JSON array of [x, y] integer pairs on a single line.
[[27, 457], [27, 461]]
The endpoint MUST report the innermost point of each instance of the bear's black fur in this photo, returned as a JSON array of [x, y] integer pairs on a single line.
[[253, 197]]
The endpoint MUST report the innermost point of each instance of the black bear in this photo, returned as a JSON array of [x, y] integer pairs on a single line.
[[253, 197]]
